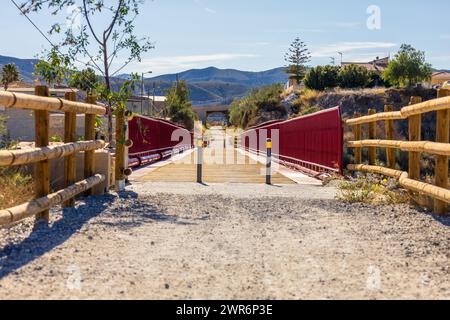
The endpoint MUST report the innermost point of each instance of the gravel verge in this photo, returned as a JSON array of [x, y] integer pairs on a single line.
[[186, 241]]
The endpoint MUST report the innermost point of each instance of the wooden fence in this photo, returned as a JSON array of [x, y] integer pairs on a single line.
[[440, 148], [41, 103]]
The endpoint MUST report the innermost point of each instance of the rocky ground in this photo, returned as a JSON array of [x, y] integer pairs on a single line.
[[172, 241]]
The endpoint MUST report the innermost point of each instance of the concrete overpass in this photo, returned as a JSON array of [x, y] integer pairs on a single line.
[[204, 111]]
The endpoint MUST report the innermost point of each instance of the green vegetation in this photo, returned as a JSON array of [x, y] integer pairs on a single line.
[[371, 189], [54, 68], [56, 138], [178, 106], [297, 57], [322, 77], [348, 77], [10, 74], [408, 67], [85, 80], [353, 76], [260, 105]]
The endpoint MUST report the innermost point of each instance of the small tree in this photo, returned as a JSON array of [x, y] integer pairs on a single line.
[[178, 106], [408, 67], [297, 57], [10, 73], [89, 40], [321, 78], [85, 80], [54, 68], [353, 76]]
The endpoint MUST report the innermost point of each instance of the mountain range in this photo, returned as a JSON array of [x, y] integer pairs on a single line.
[[212, 86], [209, 86]]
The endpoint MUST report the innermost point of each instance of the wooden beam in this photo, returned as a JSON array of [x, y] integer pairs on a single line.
[[37, 206], [27, 156], [405, 112], [42, 174], [442, 136], [406, 182], [45, 103], [357, 134], [372, 136], [89, 134], [415, 133], [382, 116], [70, 135], [390, 135], [429, 147]]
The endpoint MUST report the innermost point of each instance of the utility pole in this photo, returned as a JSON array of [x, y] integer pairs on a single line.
[[333, 61], [143, 90], [341, 54], [154, 97]]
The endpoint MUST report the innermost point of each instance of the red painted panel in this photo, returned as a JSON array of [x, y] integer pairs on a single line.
[[315, 138], [151, 135]]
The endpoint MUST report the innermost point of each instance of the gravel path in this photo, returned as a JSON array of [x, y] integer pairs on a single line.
[[227, 242]]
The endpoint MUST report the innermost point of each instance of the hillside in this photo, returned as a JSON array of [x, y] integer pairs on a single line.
[[212, 85]]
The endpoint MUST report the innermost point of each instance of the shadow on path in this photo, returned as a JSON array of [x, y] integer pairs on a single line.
[[130, 214], [45, 238]]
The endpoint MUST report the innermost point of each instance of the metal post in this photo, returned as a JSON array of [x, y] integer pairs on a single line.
[[269, 162], [200, 162]]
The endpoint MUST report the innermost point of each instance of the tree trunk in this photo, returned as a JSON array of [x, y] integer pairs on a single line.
[[108, 90]]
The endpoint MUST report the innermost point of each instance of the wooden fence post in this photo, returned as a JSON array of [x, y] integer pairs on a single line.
[[357, 134], [415, 132], [120, 151], [70, 135], [441, 170], [390, 135], [89, 134], [372, 136], [42, 124]]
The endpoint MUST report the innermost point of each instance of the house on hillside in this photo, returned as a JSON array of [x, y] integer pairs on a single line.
[[378, 65], [438, 78]]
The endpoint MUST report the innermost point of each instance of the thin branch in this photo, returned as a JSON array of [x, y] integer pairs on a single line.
[[108, 31], [86, 13]]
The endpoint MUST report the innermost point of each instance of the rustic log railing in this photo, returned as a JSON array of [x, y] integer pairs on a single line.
[[41, 103], [441, 148]]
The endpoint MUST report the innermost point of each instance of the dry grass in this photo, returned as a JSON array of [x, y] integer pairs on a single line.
[[372, 189], [15, 188]]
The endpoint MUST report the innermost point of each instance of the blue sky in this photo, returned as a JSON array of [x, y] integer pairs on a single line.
[[254, 34]]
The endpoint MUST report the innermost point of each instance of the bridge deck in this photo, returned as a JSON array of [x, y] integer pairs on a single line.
[[240, 170]]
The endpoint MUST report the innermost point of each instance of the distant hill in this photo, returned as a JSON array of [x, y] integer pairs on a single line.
[[25, 66], [216, 86], [209, 86]]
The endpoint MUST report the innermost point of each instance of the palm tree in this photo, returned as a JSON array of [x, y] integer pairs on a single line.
[[10, 73]]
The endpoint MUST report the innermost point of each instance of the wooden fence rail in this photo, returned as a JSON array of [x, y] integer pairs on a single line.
[[441, 148], [41, 103]]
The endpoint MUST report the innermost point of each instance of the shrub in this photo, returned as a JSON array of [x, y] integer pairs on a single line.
[[15, 187], [178, 107], [267, 99], [321, 78], [408, 67], [353, 76], [372, 189]]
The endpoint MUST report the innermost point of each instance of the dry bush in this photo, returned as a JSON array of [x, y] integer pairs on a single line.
[[15, 187], [372, 189]]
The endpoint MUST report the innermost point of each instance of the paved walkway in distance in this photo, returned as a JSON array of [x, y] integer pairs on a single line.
[[241, 169]]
